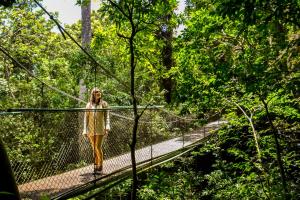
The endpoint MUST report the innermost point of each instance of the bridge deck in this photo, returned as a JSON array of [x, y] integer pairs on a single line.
[[68, 180]]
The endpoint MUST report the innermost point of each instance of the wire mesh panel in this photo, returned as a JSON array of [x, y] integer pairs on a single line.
[[50, 155], [43, 144]]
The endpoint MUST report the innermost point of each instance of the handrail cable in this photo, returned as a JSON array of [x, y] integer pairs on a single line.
[[61, 28], [5, 52], [66, 94], [48, 85], [51, 87], [110, 108]]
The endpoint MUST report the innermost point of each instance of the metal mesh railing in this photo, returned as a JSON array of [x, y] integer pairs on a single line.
[[49, 155]]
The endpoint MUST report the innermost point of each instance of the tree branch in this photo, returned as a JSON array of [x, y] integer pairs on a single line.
[[119, 8]]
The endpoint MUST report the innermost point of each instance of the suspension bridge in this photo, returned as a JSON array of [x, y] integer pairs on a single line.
[[50, 156]]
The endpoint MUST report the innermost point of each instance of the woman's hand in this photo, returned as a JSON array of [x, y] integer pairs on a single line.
[[106, 131]]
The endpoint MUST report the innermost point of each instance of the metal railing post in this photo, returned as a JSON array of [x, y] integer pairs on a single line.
[[183, 133], [151, 136]]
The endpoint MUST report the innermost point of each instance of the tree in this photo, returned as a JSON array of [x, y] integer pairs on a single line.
[[273, 19], [235, 51], [133, 18], [165, 34], [86, 36]]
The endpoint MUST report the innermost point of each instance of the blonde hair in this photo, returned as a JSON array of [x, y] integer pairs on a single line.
[[92, 96]]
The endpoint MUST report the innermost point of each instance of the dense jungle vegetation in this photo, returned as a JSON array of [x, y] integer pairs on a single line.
[[238, 59]]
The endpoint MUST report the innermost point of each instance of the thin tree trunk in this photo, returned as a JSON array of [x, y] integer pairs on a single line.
[[253, 131], [136, 117], [275, 132], [130, 39], [255, 136]]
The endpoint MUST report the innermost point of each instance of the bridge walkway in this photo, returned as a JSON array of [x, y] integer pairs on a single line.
[[74, 178]]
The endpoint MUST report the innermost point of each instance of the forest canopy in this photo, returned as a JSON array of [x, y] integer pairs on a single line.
[[238, 60]]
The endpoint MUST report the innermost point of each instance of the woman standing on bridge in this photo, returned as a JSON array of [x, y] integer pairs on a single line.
[[96, 125]]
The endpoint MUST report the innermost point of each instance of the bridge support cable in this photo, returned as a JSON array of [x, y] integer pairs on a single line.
[[94, 61], [5, 52]]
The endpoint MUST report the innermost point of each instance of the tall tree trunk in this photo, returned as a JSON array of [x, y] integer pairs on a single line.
[[166, 35], [167, 60], [86, 30], [86, 36]]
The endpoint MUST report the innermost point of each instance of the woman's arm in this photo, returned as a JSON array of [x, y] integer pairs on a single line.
[[86, 120], [106, 117]]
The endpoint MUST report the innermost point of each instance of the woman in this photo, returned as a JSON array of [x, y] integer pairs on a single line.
[[96, 125]]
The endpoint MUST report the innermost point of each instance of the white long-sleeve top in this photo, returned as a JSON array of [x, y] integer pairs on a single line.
[[96, 121]]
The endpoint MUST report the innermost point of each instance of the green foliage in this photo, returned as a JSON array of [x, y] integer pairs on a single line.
[[27, 36], [232, 56], [224, 167], [121, 191], [236, 174]]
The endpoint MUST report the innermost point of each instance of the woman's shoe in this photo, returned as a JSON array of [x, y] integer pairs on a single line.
[[99, 169]]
